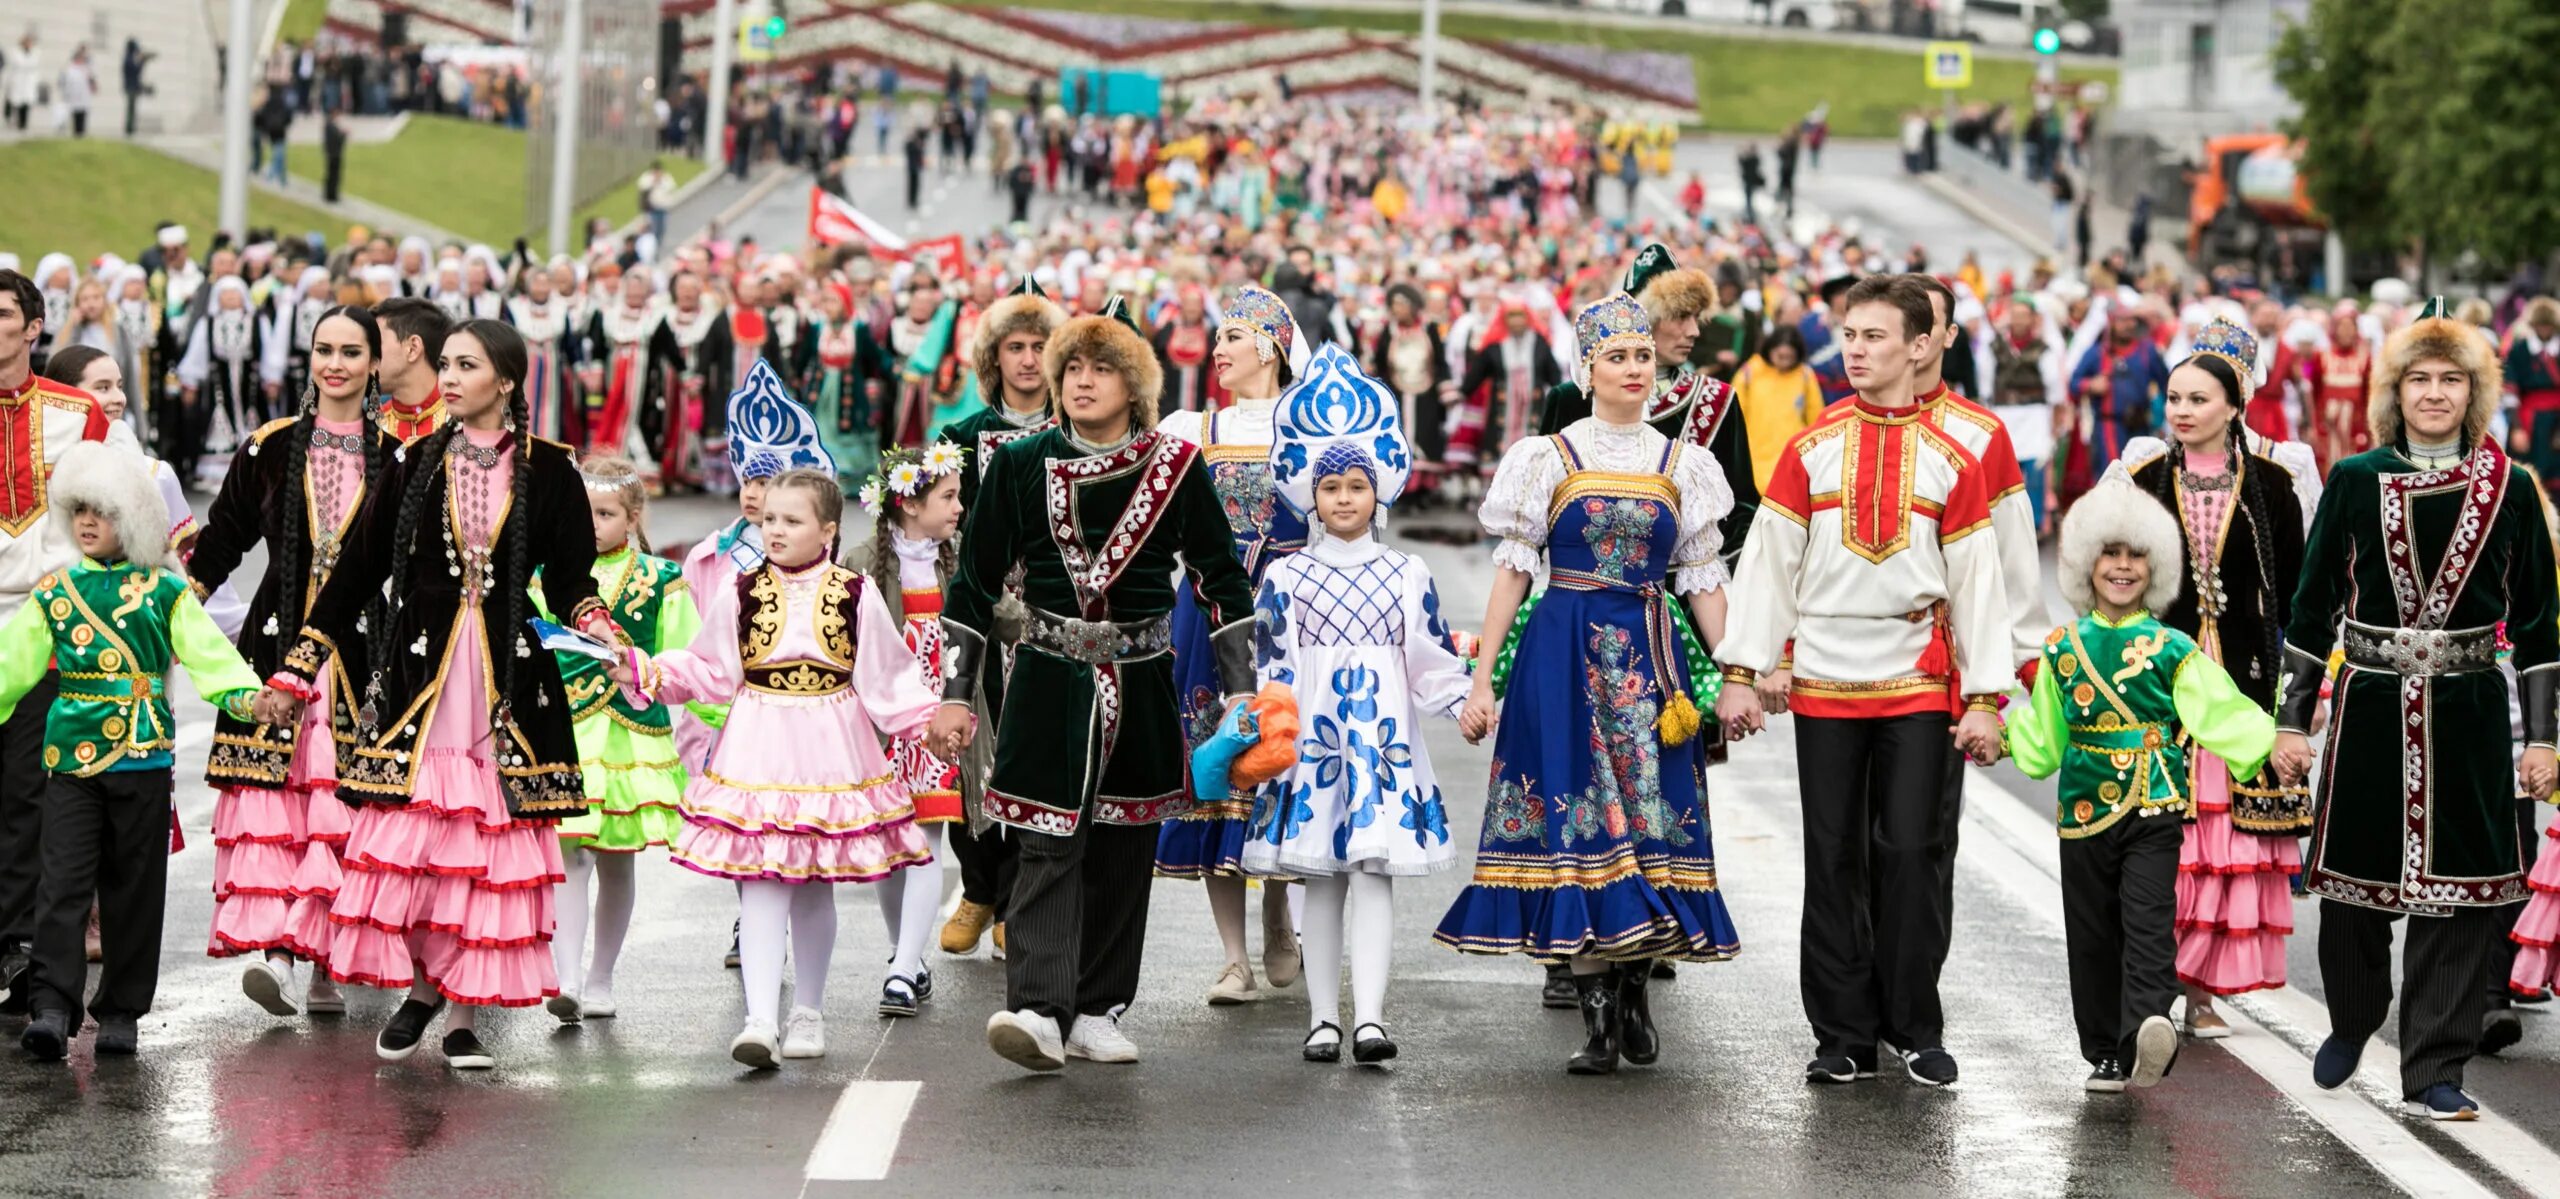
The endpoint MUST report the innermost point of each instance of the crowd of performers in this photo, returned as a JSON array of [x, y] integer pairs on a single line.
[[453, 714]]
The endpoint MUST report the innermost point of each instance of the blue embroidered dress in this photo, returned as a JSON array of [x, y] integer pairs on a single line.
[[1355, 630], [1236, 445], [1596, 836]]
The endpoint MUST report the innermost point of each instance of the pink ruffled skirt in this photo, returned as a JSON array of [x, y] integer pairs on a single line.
[[450, 885], [2538, 926], [275, 852], [799, 792], [2235, 894]]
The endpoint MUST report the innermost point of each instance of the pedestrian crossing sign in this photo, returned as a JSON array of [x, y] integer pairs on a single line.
[[1949, 64], [755, 39]]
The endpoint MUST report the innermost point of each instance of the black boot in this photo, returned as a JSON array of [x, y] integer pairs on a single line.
[[1599, 1000], [1635, 1016]]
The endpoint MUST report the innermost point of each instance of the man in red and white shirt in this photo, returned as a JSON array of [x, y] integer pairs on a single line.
[[1873, 556], [39, 419]]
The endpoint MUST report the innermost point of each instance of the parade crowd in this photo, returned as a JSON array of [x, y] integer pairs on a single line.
[[1132, 465]]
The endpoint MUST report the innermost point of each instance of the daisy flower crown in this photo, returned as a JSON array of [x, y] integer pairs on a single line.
[[907, 473]]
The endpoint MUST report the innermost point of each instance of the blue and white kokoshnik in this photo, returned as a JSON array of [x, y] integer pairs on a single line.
[[1333, 419], [769, 432]]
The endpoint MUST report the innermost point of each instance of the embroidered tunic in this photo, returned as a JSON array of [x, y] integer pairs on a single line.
[[626, 751], [115, 631]]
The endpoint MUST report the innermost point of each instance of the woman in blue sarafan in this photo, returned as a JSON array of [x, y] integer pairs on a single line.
[[1596, 848], [1256, 351]]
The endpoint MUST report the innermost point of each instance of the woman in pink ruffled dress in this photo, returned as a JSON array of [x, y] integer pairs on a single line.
[[798, 795], [463, 758]]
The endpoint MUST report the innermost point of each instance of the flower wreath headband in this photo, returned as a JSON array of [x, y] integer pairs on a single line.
[[907, 473]]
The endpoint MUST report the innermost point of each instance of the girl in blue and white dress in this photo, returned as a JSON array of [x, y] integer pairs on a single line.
[[1597, 849], [1354, 629], [1257, 351]]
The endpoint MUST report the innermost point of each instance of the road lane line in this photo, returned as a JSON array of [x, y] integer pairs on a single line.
[[861, 1136], [2363, 1123]]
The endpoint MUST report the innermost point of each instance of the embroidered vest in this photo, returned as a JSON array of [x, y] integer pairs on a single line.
[[2125, 751]]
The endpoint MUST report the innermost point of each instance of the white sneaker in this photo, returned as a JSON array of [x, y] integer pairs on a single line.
[[804, 1033], [595, 1002], [322, 997], [2155, 1045], [1234, 986], [754, 1046], [1099, 1039], [1027, 1039], [264, 981]]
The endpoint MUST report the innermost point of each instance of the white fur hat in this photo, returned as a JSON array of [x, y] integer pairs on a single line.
[[2115, 512], [116, 483]]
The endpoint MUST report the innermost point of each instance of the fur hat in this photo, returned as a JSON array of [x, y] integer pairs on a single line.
[[2115, 512], [1026, 309], [115, 483], [2434, 335], [1668, 291], [1108, 336]]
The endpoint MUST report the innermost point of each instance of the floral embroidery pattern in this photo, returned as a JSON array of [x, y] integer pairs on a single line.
[[1620, 532], [1270, 625], [1428, 818], [1626, 758], [1248, 494], [1511, 812]]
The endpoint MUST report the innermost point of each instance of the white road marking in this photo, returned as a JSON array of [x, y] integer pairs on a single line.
[[2271, 1033], [861, 1136]]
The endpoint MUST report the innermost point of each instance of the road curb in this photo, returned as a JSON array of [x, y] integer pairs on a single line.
[[2027, 236]]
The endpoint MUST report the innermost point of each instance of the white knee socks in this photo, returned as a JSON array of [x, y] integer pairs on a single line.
[[1322, 935], [569, 905], [617, 890], [1373, 928], [611, 878], [1370, 920], [813, 942], [909, 901]]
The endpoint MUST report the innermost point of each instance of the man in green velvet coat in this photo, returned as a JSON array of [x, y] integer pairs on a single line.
[[2423, 547], [1098, 514]]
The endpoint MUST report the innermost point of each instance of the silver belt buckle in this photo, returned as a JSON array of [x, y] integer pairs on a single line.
[[1093, 642]]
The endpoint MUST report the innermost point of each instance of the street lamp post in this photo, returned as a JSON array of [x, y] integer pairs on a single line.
[[1429, 76], [238, 59], [715, 122], [568, 90]]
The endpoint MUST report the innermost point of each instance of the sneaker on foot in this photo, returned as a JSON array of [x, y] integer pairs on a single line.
[[2107, 1079], [1234, 986], [2335, 1063], [755, 1045], [998, 952], [968, 923], [2443, 1101], [264, 981], [565, 1006], [2500, 1030], [408, 1026], [2206, 1024], [118, 1035], [898, 996], [1837, 1068], [804, 1033], [1099, 1039], [1930, 1067], [48, 1036], [2155, 1046], [463, 1051], [1027, 1039], [322, 997]]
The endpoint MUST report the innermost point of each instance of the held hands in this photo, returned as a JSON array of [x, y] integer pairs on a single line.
[[275, 707], [1475, 718], [1978, 736], [1773, 688], [2538, 771], [1738, 709], [2292, 758], [952, 729]]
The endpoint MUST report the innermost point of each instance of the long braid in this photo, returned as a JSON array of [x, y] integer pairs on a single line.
[[426, 463], [518, 534], [883, 558], [378, 445], [294, 594]]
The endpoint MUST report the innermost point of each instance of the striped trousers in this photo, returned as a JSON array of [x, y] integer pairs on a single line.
[[2443, 993], [1078, 921]]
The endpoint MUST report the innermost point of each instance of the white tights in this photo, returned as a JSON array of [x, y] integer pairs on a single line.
[[767, 911], [908, 904], [1226, 906], [616, 889], [1371, 920]]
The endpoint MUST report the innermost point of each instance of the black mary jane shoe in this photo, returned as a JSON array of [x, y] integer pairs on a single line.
[[1325, 1051], [1598, 994], [1371, 1050], [1636, 1038], [900, 996]]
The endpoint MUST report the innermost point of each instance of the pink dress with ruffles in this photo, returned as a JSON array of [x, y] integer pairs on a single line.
[[798, 789], [2538, 925], [275, 850], [2235, 897], [451, 884]]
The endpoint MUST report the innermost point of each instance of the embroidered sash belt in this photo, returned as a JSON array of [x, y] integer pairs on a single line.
[[799, 678], [2421, 653], [1095, 642]]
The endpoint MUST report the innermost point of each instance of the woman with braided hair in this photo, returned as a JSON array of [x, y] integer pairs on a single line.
[[462, 757], [277, 823]]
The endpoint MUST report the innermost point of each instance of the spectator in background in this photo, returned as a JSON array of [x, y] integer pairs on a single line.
[[333, 154], [79, 89], [274, 120], [25, 81], [135, 59], [657, 193], [2137, 233], [1753, 179], [2063, 210], [1817, 129], [1787, 151], [915, 168]]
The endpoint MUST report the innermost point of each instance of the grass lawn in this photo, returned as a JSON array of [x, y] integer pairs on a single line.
[[302, 20], [1745, 85], [464, 176], [98, 196]]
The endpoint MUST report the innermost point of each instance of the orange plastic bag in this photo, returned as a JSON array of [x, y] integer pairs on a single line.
[[1276, 709]]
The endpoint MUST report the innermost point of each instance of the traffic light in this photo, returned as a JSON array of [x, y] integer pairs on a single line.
[[773, 27], [2048, 40]]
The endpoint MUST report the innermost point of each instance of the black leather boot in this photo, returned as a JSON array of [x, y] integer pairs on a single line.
[[1635, 1015], [1598, 994]]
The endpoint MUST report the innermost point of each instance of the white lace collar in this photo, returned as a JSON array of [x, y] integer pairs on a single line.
[[1324, 547]]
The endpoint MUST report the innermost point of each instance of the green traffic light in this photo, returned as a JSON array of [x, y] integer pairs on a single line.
[[773, 27], [2048, 41]]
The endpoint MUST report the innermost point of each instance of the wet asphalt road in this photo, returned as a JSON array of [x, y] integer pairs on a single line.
[[226, 1100]]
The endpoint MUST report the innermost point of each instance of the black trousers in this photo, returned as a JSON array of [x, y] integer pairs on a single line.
[[2441, 999], [1079, 922], [108, 836], [1875, 918], [2502, 952], [2120, 922], [988, 864], [22, 786]]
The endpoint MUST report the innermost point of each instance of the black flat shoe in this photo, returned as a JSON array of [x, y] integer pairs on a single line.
[[1369, 1051], [924, 983], [1662, 968], [118, 1035], [463, 1051], [898, 996], [1327, 1051], [48, 1036], [408, 1026]]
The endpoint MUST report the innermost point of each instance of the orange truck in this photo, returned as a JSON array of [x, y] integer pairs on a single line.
[[2247, 201]]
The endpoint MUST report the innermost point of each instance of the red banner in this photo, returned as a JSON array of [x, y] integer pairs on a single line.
[[833, 222], [947, 257]]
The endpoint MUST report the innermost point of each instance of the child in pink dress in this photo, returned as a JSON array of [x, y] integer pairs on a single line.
[[798, 794]]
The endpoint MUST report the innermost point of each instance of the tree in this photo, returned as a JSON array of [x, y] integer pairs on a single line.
[[2501, 196], [2328, 63]]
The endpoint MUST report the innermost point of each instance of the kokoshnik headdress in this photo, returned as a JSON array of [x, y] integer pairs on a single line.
[[1616, 320], [2234, 345], [1275, 331], [1335, 419], [769, 432]]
